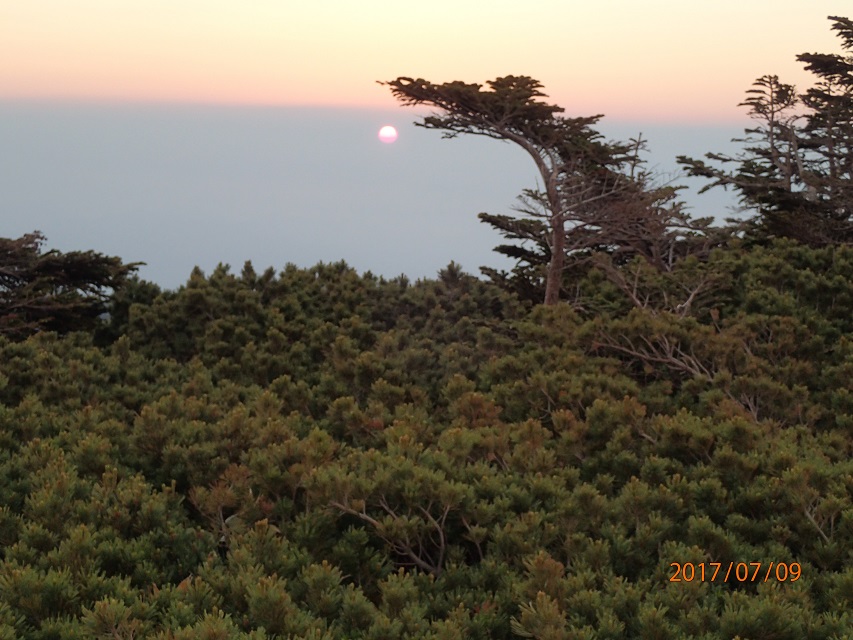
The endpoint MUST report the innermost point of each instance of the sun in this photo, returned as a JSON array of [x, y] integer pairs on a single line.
[[388, 134]]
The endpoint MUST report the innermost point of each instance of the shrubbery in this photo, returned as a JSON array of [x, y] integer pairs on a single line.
[[321, 454]]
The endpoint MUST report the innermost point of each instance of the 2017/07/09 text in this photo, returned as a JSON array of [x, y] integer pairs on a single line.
[[739, 571]]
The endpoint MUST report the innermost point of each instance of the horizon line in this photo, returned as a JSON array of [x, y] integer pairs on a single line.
[[120, 102]]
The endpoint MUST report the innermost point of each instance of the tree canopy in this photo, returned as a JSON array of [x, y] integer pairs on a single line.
[[796, 169], [54, 291]]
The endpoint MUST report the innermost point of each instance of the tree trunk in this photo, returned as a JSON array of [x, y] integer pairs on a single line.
[[554, 279]]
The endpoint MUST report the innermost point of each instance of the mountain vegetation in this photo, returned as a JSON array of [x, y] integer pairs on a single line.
[[665, 451]]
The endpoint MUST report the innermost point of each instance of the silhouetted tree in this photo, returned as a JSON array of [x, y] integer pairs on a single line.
[[828, 132], [796, 168], [51, 290], [579, 170], [594, 195]]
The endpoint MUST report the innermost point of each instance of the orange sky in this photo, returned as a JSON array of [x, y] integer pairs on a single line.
[[629, 59]]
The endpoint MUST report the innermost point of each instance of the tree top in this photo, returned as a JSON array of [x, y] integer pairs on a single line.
[[507, 108]]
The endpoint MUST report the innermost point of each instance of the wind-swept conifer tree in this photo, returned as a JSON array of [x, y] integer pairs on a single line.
[[591, 195]]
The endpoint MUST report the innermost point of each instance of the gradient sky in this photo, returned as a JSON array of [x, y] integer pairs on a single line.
[[629, 59]]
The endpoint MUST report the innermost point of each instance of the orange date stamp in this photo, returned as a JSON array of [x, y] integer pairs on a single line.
[[735, 571]]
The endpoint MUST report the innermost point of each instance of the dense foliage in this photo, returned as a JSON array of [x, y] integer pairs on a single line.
[[52, 290], [319, 454]]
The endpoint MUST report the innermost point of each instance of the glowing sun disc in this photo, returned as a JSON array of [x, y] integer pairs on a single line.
[[388, 134]]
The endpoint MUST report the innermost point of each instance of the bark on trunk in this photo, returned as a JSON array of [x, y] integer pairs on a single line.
[[554, 278]]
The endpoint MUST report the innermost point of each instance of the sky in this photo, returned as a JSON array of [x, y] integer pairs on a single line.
[[184, 133]]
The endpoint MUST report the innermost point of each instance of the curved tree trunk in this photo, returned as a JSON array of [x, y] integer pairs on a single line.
[[554, 278]]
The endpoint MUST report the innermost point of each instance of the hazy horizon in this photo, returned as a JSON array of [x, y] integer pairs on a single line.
[[174, 135], [184, 186]]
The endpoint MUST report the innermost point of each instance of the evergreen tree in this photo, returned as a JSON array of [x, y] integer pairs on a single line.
[[591, 195], [54, 291], [796, 169], [828, 132]]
